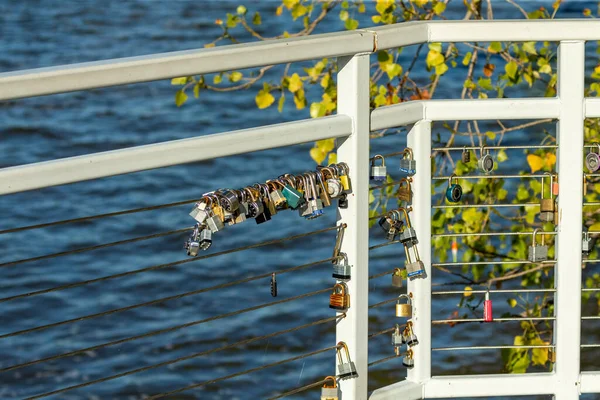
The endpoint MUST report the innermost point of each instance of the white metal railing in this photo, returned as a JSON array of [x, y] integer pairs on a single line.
[[351, 126]]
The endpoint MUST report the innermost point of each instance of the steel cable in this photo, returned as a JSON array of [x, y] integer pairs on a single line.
[[371, 364], [375, 334], [164, 330], [160, 266], [382, 274], [381, 303], [196, 385], [163, 299], [96, 247], [99, 216], [189, 357]]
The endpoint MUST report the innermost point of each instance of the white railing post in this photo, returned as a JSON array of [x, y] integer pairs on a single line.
[[568, 271], [353, 100], [419, 140]]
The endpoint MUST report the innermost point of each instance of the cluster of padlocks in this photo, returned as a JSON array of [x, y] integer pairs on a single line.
[[592, 163], [309, 193], [347, 370], [407, 335]]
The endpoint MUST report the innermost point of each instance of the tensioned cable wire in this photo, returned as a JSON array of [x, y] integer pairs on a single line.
[[469, 292], [499, 205], [382, 274], [453, 321], [383, 244], [492, 347], [300, 389], [96, 247], [371, 364], [99, 216], [539, 146], [166, 330], [161, 300], [381, 303], [160, 266], [440, 235], [196, 385], [190, 356], [497, 262], [383, 332]]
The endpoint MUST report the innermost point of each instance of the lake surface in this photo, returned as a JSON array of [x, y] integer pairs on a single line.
[[52, 32]]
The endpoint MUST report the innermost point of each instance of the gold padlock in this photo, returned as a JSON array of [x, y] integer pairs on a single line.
[[404, 310], [547, 205], [404, 190], [339, 299]]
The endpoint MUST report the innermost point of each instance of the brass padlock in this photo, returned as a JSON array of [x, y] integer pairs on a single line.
[[547, 205], [339, 299], [404, 190], [404, 310], [397, 280]]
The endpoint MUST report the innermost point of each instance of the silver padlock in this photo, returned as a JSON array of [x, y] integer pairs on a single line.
[[228, 199], [192, 245], [588, 244], [547, 205], [537, 252], [414, 269], [408, 165], [276, 195], [214, 223], [485, 162], [592, 160], [397, 280], [199, 213], [378, 172], [397, 337], [347, 369], [466, 156], [341, 269], [408, 235], [409, 335], [330, 392], [408, 360], [205, 239]]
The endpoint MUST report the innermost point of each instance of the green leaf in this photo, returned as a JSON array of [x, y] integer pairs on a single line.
[[512, 302], [317, 154], [197, 90], [179, 81], [326, 144], [351, 24], [332, 159], [344, 15], [256, 19], [264, 98], [280, 103], [180, 98], [317, 110], [393, 70], [491, 135], [217, 79], [495, 47], [295, 83], [501, 156], [511, 69], [529, 47], [436, 46], [298, 11], [485, 84], [467, 59], [289, 3], [441, 69], [241, 10], [434, 58], [439, 8], [235, 76]]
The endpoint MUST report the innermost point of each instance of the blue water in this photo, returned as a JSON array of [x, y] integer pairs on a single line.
[[51, 32]]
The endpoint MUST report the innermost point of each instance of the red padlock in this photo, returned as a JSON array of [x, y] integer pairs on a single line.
[[487, 308]]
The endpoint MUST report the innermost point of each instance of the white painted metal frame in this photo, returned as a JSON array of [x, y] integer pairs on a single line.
[[351, 126]]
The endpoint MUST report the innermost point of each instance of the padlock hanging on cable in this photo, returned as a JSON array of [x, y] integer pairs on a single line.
[[592, 160], [485, 162], [341, 269], [454, 190], [547, 204], [537, 252], [404, 310], [378, 172], [409, 335], [339, 299], [330, 392], [408, 236], [407, 163], [408, 360], [404, 192], [347, 369]]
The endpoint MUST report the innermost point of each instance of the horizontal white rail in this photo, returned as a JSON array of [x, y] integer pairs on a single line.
[[110, 163], [486, 385], [44, 81], [590, 382], [451, 110]]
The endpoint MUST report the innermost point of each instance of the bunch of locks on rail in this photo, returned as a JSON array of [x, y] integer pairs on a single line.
[[347, 370], [308, 193]]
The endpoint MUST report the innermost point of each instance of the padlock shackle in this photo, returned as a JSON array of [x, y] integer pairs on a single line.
[[402, 296], [408, 151], [398, 270], [597, 145], [551, 175], [342, 290], [342, 256], [406, 210], [375, 157], [535, 232], [450, 179], [345, 347], [332, 379]]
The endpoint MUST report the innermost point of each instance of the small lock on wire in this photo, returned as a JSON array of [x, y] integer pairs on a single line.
[[454, 191], [330, 391], [378, 172], [487, 308]]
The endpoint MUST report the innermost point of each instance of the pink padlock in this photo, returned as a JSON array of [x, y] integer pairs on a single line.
[[487, 308]]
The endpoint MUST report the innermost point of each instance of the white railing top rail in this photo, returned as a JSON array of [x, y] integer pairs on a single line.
[[91, 75]]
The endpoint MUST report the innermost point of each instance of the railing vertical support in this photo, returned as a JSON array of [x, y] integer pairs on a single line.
[[353, 100], [568, 271], [419, 140]]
